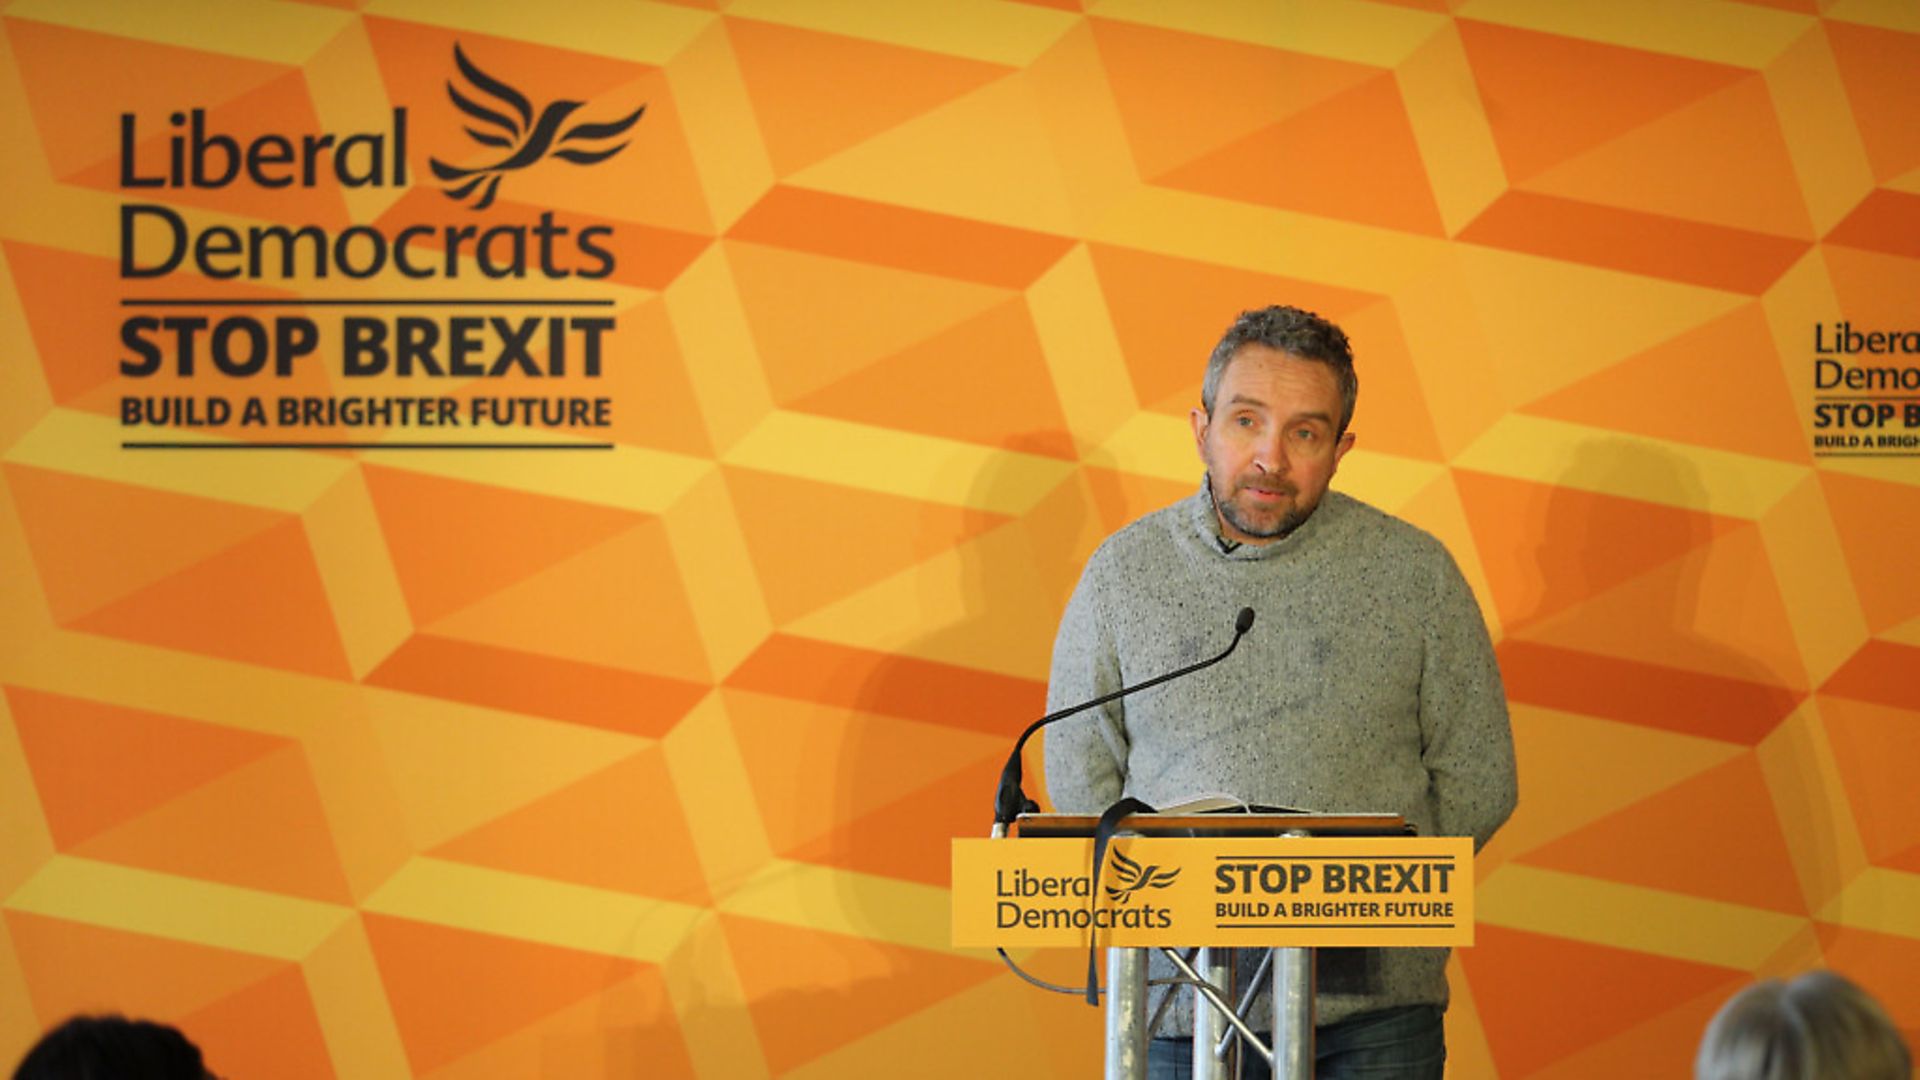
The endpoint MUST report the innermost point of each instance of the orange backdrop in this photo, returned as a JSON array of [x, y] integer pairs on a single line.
[[637, 752]]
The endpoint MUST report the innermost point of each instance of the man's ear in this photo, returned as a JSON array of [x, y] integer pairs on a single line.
[[1199, 419], [1340, 448]]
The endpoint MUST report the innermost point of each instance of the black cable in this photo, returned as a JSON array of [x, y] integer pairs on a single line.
[[1078, 991], [1035, 980]]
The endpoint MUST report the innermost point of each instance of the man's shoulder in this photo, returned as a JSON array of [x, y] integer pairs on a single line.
[[1148, 538], [1363, 526]]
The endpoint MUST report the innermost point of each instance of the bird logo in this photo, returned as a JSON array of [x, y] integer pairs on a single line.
[[509, 125], [1130, 877]]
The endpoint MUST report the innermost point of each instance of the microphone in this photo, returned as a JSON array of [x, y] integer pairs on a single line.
[[1011, 801]]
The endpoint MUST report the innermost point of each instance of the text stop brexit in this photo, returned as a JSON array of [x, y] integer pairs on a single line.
[[460, 346]]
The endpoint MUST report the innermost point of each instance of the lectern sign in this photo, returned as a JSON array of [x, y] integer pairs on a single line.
[[1337, 891]]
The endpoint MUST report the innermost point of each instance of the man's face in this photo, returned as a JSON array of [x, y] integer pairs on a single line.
[[1270, 445]]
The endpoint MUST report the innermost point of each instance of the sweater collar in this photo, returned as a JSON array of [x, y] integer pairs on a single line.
[[1205, 523]]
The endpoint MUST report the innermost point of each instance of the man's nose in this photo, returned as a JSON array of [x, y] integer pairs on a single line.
[[1270, 456]]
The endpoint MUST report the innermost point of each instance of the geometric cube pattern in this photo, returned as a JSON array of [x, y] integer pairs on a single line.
[[644, 760]]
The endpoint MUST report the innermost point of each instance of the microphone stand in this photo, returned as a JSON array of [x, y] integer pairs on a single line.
[[1011, 800]]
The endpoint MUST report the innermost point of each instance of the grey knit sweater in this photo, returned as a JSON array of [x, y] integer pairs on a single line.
[[1366, 684]]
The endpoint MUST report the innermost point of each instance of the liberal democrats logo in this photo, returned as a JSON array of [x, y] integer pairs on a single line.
[[508, 124], [1130, 877]]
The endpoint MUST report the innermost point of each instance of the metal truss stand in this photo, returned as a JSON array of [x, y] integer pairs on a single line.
[[1217, 1021]]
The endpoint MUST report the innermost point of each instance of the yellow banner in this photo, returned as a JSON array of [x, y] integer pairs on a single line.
[[1372, 891]]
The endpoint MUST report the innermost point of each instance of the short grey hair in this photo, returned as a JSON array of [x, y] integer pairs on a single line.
[[1819, 1026], [1295, 332]]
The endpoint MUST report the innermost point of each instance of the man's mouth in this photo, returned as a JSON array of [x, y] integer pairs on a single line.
[[1261, 492]]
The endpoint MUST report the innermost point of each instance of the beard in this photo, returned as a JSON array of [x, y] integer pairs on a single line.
[[1269, 524]]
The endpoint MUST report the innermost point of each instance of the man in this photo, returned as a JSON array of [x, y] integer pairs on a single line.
[[1368, 683]]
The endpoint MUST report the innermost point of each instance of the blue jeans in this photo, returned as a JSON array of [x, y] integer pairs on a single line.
[[1405, 1042]]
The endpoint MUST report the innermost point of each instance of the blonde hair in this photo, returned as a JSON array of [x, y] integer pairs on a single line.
[[1819, 1026]]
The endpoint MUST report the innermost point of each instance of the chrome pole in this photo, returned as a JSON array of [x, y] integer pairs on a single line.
[[1293, 1014], [1208, 1024], [1246, 1006], [1213, 994], [1126, 1014]]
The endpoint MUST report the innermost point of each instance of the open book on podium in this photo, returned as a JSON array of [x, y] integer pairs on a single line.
[[1211, 873]]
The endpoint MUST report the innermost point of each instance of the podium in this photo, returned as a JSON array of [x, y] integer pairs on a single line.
[[1289, 882]]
